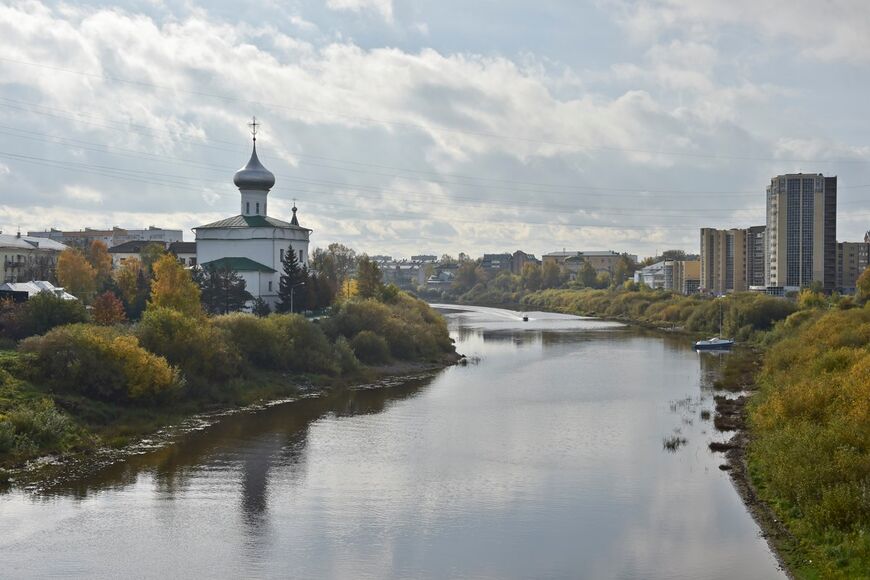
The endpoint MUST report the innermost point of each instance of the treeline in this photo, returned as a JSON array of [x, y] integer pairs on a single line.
[[474, 285], [75, 367], [742, 315]]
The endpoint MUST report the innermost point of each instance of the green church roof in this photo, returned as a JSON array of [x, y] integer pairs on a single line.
[[238, 265], [250, 221]]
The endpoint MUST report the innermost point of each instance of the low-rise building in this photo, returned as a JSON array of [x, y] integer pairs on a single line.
[[496, 263], [132, 249], [112, 237], [403, 274], [681, 276], [27, 258], [35, 287], [603, 262], [185, 252], [519, 259]]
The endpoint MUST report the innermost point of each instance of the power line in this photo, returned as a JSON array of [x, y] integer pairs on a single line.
[[420, 126]]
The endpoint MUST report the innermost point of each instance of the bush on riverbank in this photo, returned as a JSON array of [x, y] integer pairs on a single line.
[[100, 362], [811, 427], [743, 315], [411, 329]]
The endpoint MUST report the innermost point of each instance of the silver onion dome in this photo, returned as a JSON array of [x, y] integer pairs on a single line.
[[254, 175]]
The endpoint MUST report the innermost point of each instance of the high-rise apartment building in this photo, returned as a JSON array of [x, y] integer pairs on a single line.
[[730, 259], [852, 259], [801, 231]]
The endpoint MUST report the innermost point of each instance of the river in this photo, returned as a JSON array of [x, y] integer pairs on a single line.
[[543, 458]]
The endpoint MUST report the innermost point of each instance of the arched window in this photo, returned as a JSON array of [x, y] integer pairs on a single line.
[[300, 255], [258, 208], [282, 254], [270, 285], [247, 207]]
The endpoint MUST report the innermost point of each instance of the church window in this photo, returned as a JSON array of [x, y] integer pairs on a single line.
[[258, 208], [300, 255], [247, 207], [270, 285], [282, 254]]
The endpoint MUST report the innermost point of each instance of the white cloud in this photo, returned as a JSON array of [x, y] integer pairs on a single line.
[[382, 7], [835, 30], [81, 193]]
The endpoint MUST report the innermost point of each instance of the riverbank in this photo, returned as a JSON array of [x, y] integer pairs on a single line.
[[800, 455], [81, 387], [132, 433]]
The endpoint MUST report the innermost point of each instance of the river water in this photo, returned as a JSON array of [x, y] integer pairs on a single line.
[[544, 458]]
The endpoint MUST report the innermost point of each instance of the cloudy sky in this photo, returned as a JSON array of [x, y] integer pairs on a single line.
[[407, 126]]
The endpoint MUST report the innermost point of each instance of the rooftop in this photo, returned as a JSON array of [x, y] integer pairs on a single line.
[[238, 265], [250, 221]]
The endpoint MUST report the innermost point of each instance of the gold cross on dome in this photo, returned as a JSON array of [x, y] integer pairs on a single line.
[[253, 125]]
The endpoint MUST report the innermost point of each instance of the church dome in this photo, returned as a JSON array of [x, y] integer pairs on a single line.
[[254, 175]]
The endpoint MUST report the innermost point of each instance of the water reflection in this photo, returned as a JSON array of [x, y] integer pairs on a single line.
[[544, 460]]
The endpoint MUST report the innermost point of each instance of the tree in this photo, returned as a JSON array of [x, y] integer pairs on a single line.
[[293, 278], [673, 255], [40, 268], [45, 311], [623, 270], [551, 275], [98, 256], [260, 307], [862, 287], [588, 276], [172, 287], [150, 254], [368, 278], [531, 277], [222, 290], [344, 259], [467, 276], [126, 278], [76, 274], [108, 310]]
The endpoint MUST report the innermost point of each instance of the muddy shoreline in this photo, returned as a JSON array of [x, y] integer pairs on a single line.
[[42, 473], [731, 416]]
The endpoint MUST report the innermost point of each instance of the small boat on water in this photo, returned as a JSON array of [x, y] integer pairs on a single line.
[[714, 343], [525, 317]]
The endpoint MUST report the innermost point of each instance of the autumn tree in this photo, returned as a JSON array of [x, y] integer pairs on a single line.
[[467, 276], [369, 278], [551, 275], [531, 277], [862, 287], [126, 278], [108, 309], [98, 256], [76, 274], [588, 276], [172, 287], [150, 254]]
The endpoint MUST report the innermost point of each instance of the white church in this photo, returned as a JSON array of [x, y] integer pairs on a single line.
[[252, 243]]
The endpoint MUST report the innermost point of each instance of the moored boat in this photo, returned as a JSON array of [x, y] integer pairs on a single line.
[[714, 343]]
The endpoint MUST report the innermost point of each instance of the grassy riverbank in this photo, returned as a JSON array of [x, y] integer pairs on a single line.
[[807, 445], [81, 386]]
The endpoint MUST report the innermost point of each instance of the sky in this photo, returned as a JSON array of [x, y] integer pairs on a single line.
[[408, 126]]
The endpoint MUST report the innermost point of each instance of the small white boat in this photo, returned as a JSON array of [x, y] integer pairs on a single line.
[[714, 343]]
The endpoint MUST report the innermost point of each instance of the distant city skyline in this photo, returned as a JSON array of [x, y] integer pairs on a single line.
[[401, 128]]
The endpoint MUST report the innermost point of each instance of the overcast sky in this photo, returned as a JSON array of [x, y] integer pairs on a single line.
[[416, 126]]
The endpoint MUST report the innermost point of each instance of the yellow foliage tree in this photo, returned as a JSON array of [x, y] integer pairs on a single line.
[[172, 287], [349, 288], [98, 256], [127, 277], [863, 287], [76, 274]]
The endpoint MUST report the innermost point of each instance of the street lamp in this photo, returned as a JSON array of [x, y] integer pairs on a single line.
[[292, 290]]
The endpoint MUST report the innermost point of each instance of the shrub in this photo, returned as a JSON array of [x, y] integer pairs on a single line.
[[344, 355], [39, 315], [303, 345], [99, 362], [201, 350], [370, 347], [258, 342]]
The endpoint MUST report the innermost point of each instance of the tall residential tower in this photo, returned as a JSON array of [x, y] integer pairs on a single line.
[[801, 231]]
